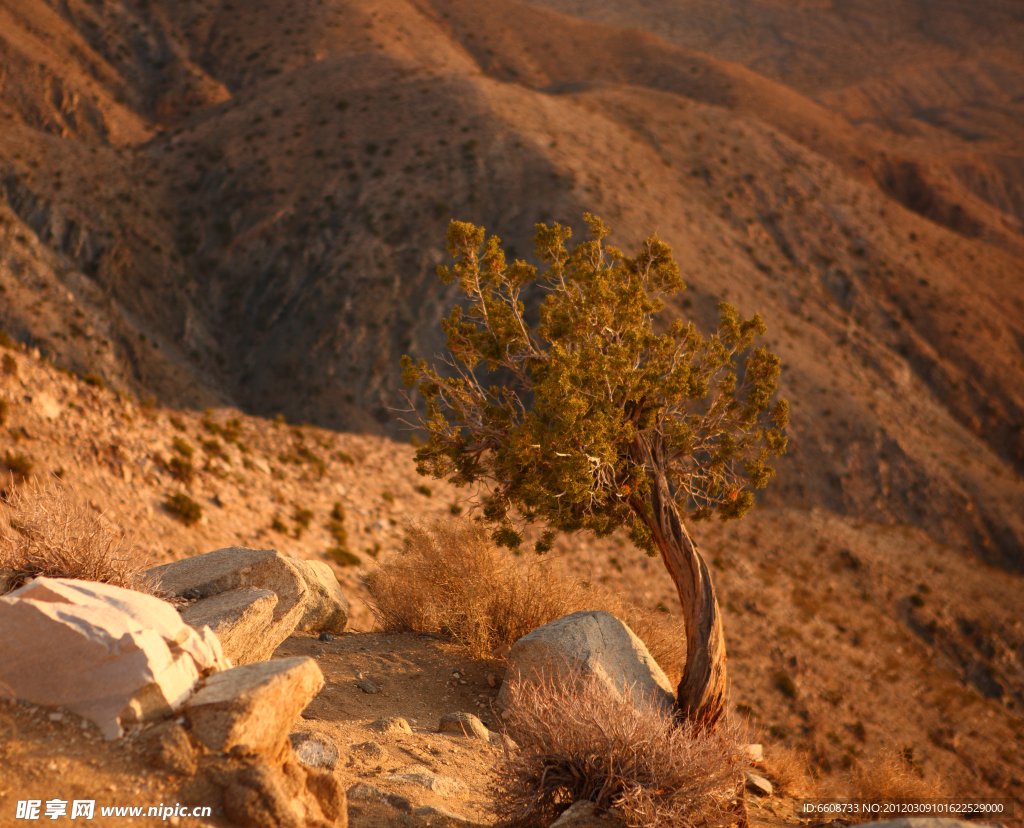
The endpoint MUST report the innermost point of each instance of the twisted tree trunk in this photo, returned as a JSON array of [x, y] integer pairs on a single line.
[[700, 696]]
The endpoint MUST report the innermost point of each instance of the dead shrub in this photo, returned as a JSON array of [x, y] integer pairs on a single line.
[[890, 777], [577, 741], [450, 577], [48, 532], [789, 770]]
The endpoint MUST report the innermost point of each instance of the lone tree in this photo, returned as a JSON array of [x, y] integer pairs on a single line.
[[602, 422]]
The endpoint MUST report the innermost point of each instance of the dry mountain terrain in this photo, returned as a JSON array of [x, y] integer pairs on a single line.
[[241, 206], [216, 207]]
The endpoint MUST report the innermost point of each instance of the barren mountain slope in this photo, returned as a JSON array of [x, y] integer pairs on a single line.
[[275, 249], [889, 640], [939, 85]]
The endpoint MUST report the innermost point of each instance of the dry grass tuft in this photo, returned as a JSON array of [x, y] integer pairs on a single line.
[[892, 777], [789, 770], [50, 533], [450, 577], [577, 741]]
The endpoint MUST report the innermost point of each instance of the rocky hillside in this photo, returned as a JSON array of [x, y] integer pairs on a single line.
[[245, 210], [847, 638]]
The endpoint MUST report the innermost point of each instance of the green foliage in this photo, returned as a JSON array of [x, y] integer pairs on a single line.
[[425, 490], [184, 508], [181, 468], [183, 448], [613, 405], [343, 557], [95, 380]]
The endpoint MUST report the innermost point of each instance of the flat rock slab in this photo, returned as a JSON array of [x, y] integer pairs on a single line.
[[315, 751], [757, 784], [253, 707], [239, 618], [203, 576], [326, 605], [589, 643], [114, 656]]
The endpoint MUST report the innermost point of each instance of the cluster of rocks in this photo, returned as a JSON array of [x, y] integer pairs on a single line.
[[216, 709]]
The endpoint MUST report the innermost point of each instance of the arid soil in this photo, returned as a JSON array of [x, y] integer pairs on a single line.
[[847, 639], [221, 215], [69, 760]]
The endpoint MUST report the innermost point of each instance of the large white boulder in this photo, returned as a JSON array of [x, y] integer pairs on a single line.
[[204, 576], [326, 605], [111, 655], [588, 643]]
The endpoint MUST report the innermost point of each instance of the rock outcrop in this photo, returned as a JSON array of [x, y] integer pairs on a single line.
[[205, 577], [111, 655], [251, 709], [326, 605], [589, 643], [240, 618]]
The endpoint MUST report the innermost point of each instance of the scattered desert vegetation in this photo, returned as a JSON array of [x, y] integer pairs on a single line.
[[49, 532], [451, 577], [577, 741]]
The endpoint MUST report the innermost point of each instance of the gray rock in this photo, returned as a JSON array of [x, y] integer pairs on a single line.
[[327, 608], [372, 750], [584, 814], [204, 576], [367, 686], [757, 784], [425, 777], [314, 750], [253, 707], [240, 618], [589, 643], [465, 723], [392, 724], [363, 791], [429, 812]]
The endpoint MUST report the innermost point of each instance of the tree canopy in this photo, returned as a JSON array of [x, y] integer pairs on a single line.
[[555, 440]]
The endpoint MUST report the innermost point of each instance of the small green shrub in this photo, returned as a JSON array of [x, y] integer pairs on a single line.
[[424, 490], [184, 508], [390, 498], [181, 469], [213, 448], [784, 683], [95, 380], [278, 526], [177, 423], [343, 557], [183, 448], [302, 517]]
